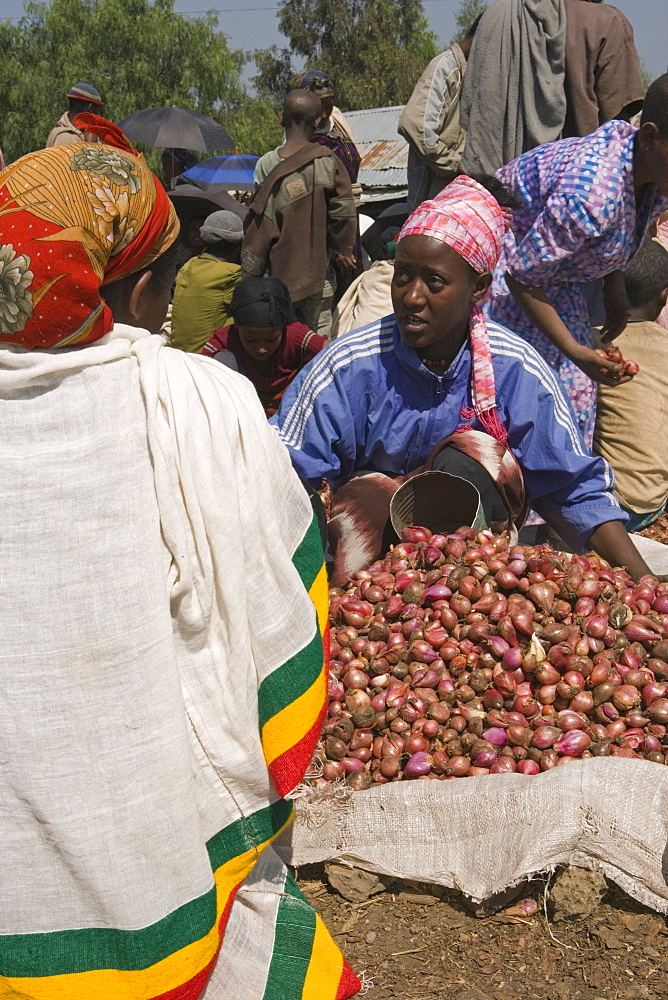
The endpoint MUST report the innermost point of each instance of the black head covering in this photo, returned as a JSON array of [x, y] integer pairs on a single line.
[[388, 239], [262, 302], [317, 82]]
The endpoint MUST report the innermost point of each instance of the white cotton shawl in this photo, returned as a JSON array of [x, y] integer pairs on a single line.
[[149, 517], [367, 299]]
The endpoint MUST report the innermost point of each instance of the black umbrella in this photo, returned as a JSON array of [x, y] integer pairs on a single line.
[[191, 199], [193, 204], [176, 128]]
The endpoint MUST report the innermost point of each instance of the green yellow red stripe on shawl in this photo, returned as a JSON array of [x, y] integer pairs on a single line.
[[292, 700], [173, 958], [170, 960], [306, 962]]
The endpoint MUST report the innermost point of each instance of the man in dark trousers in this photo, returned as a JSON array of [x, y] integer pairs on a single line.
[[302, 213]]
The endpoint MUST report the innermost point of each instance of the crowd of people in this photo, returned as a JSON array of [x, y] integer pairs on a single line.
[[205, 418]]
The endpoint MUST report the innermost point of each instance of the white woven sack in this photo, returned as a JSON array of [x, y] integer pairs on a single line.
[[481, 835], [654, 553]]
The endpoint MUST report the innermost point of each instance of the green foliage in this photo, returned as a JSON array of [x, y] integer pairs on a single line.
[[465, 15], [139, 54], [254, 125], [374, 50], [275, 74], [647, 75]]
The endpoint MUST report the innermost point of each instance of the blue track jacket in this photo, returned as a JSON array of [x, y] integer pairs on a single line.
[[367, 402]]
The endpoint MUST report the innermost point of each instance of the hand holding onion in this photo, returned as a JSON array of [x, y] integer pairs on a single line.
[[625, 369]]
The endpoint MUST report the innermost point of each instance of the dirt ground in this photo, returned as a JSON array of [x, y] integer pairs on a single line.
[[421, 943]]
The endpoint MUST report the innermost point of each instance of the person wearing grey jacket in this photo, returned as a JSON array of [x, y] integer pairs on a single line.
[[430, 122]]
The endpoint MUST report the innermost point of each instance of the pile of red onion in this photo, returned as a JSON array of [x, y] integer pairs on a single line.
[[462, 655]]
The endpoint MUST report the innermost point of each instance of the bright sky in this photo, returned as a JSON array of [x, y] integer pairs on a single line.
[[259, 28]]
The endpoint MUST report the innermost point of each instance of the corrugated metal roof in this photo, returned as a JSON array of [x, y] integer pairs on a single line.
[[383, 178], [374, 195], [384, 152], [372, 124]]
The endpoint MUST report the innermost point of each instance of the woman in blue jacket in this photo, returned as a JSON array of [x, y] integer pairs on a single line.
[[382, 399]]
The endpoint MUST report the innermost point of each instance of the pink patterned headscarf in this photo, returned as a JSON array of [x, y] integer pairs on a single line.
[[467, 218]]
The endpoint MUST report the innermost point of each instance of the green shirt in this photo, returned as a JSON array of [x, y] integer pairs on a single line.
[[202, 299], [265, 165]]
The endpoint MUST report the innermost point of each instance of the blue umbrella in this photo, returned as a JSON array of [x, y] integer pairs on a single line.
[[234, 172]]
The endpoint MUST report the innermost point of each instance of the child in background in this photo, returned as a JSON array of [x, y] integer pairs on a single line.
[[204, 285], [302, 214], [632, 418], [265, 342]]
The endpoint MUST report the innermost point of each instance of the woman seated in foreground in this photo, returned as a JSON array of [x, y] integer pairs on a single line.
[[421, 387], [265, 343], [158, 553]]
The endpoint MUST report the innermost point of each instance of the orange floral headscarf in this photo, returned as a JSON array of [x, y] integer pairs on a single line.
[[72, 219]]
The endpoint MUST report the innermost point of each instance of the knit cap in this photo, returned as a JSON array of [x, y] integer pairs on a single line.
[[223, 225], [85, 92]]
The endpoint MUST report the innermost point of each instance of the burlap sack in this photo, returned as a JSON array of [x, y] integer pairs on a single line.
[[654, 553], [481, 835]]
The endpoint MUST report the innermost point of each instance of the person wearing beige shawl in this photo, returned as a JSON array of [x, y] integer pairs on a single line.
[[160, 566], [370, 296]]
